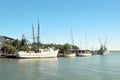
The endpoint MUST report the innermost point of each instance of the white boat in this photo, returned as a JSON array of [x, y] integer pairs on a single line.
[[37, 53], [43, 53], [103, 49], [70, 55], [85, 54], [106, 52]]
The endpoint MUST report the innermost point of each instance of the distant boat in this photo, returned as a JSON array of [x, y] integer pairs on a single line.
[[41, 53], [70, 53], [85, 53], [103, 49]]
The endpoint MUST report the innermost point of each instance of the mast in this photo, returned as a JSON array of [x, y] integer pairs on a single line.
[[105, 43], [81, 46], [86, 43], [33, 33], [72, 41], [86, 40], [100, 42], [38, 34]]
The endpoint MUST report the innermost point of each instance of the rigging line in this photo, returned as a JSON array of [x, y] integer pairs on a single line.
[[45, 36]]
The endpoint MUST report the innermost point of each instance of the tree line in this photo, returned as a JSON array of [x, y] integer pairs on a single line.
[[10, 47]]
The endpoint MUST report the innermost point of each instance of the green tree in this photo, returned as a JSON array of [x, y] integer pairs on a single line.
[[10, 47], [22, 45]]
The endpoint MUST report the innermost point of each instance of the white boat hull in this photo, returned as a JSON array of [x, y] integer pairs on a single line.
[[85, 54], [24, 54], [105, 53], [69, 55]]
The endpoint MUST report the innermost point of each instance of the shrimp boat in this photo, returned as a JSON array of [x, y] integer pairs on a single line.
[[71, 53], [85, 53], [40, 53], [43, 53], [103, 49]]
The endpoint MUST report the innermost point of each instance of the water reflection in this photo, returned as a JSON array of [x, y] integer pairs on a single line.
[[37, 68], [35, 60]]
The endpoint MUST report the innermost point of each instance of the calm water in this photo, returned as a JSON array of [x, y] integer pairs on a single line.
[[79, 68]]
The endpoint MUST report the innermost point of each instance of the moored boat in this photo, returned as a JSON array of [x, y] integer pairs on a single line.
[[43, 53], [37, 52], [103, 49], [85, 53], [70, 55]]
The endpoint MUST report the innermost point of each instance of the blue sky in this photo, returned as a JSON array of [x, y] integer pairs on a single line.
[[96, 18]]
